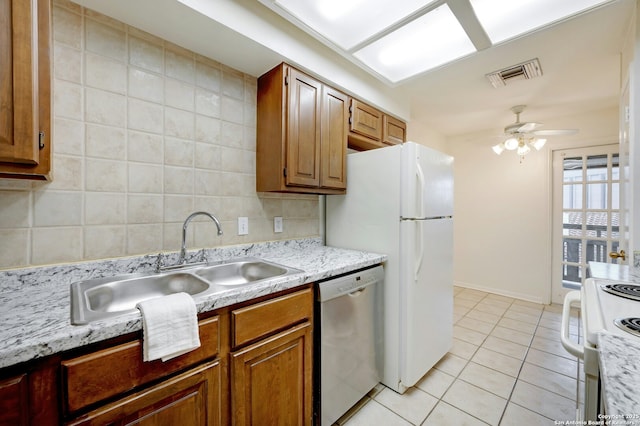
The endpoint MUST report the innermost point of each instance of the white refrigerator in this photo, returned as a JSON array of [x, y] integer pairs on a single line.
[[399, 202]]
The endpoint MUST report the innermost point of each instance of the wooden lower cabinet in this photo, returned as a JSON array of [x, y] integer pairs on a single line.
[[271, 380], [14, 401], [192, 398], [254, 367]]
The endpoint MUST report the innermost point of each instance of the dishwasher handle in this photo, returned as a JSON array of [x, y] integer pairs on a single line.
[[571, 347], [357, 292]]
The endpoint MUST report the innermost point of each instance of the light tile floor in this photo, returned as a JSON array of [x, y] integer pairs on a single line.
[[506, 367]]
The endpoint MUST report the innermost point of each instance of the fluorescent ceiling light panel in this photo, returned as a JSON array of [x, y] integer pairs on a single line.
[[505, 19], [349, 22], [423, 44]]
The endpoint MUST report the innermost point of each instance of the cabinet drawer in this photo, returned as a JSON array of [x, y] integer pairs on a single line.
[[103, 374], [191, 398], [366, 120], [265, 318]]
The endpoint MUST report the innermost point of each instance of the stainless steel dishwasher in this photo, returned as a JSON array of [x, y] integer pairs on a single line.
[[350, 332]]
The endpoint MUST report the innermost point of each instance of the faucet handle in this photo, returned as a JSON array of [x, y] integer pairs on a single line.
[[159, 262]]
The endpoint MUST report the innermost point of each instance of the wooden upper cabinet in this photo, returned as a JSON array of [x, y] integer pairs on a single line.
[[301, 134], [365, 121], [25, 89], [394, 131], [370, 128]]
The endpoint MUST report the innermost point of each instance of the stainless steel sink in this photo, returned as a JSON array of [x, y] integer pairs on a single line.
[[123, 295], [102, 298], [240, 272], [107, 297]]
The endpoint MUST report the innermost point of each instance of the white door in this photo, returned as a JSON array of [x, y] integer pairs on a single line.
[[626, 187], [586, 213]]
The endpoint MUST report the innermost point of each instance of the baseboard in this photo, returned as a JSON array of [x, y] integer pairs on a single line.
[[515, 295]]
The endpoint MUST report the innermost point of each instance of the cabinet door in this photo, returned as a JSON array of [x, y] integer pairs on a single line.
[[303, 130], [393, 130], [333, 158], [14, 401], [271, 381], [365, 120], [192, 398], [18, 82], [25, 88]]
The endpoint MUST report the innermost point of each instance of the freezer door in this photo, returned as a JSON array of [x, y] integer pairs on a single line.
[[427, 182], [426, 296]]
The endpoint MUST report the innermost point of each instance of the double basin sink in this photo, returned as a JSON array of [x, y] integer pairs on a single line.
[[102, 298]]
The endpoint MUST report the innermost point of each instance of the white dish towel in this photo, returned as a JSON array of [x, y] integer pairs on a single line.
[[170, 326]]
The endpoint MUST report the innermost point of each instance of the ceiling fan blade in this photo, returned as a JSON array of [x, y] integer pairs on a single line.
[[528, 127], [557, 132]]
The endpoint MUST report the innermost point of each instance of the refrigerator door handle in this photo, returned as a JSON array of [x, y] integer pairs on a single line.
[[421, 185], [420, 251], [419, 213]]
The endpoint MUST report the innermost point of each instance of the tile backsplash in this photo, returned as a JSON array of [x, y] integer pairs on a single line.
[[144, 133]]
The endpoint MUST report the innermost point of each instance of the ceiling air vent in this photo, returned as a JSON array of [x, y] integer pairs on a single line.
[[524, 71]]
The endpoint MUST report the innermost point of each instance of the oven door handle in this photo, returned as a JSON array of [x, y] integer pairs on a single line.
[[573, 297]]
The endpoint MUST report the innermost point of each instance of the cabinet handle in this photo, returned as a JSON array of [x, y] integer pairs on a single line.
[[41, 140]]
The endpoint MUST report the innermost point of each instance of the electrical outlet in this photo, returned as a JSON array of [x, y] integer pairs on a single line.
[[243, 225], [277, 224]]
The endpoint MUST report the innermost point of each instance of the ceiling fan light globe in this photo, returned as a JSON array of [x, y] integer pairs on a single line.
[[511, 144], [538, 143], [523, 150], [498, 149]]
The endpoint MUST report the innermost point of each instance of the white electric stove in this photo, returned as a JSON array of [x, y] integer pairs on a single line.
[[605, 305]]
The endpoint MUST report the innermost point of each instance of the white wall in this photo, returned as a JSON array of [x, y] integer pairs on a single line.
[[502, 237], [420, 133]]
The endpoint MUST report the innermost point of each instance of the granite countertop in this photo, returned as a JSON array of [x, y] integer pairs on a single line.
[[612, 271], [35, 302], [620, 374]]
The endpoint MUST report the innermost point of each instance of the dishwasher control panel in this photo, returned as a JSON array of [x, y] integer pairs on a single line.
[[357, 282], [350, 283]]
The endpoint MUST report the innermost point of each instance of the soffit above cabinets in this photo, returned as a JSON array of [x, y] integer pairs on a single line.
[[397, 40]]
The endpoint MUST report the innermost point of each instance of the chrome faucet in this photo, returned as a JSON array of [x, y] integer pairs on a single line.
[[183, 249]]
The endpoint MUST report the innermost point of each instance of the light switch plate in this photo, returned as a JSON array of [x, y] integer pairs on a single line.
[[243, 225], [277, 224]]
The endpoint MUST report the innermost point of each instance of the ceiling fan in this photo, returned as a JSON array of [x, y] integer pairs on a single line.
[[522, 136]]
